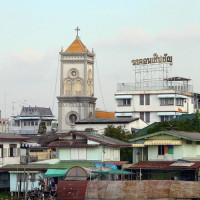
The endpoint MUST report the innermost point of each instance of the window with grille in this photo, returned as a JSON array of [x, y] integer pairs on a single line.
[[142, 116], [124, 102], [166, 118], [179, 102], [141, 99], [166, 101], [147, 117], [147, 99]]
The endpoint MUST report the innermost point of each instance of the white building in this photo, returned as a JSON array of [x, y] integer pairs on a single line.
[[153, 96], [29, 120], [10, 151], [99, 124], [155, 105]]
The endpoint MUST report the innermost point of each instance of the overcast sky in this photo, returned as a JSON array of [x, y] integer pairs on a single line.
[[32, 33]]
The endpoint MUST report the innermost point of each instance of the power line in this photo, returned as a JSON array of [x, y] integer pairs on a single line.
[[55, 83], [100, 88]]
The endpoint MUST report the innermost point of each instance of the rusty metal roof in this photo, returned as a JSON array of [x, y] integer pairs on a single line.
[[163, 165], [117, 163], [128, 190], [72, 190]]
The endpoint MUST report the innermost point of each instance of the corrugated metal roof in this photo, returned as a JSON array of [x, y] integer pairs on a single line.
[[73, 145], [104, 114], [128, 190], [72, 190], [107, 121], [163, 165], [11, 136], [117, 163], [34, 166], [104, 140], [194, 136]]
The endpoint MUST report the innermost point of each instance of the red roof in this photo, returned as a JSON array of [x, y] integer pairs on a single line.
[[118, 163], [162, 165]]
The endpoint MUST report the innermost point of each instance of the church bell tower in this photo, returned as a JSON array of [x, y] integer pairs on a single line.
[[76, 100]]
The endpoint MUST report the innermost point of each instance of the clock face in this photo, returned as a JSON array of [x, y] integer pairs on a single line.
[[73, 73], [72, 118]]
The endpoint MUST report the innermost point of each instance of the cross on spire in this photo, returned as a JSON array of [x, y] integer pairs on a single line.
[[77, 29]]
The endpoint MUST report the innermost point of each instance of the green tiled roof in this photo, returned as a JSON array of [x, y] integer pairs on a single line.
[[28, 166], [185, 116], [144, 130], [60, 165], [65, 165]]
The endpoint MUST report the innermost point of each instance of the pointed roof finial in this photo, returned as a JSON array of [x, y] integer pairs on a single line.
[[77, 29]]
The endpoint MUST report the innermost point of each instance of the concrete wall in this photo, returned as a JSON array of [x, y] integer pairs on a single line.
[[138, 124]]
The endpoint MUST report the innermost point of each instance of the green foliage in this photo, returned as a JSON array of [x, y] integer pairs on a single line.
[[42, 128], [186, 124], [120, 133], [4, 194]]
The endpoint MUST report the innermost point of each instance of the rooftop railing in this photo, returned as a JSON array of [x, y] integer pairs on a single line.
[[153, 87]]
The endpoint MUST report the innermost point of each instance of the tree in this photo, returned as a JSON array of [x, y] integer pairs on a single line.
[[185, 124], [42, 128], [120, 133]]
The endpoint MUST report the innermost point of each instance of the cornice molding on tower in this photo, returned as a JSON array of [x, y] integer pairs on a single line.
[[76, 99]]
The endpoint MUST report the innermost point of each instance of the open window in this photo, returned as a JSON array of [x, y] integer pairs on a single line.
[[13, 150]]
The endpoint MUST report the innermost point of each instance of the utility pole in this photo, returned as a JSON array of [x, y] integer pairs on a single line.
[[27, 180], [140, 174]]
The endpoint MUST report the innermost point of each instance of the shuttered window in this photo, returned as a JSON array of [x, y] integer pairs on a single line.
[[78, 154], [74, 154], [107, 154], [116, 154], [82, 154]]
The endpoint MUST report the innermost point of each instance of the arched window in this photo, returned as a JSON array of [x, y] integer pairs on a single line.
[[78, 87], [68, 87]]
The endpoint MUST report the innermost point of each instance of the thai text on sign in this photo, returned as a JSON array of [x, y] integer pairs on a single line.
[[155, 59]]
